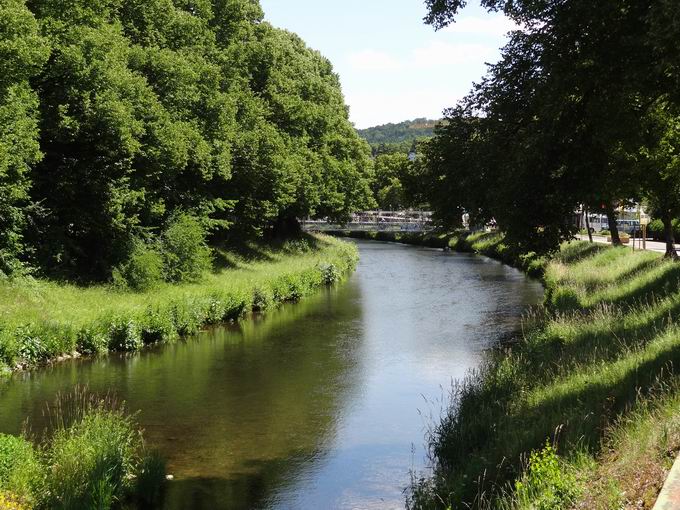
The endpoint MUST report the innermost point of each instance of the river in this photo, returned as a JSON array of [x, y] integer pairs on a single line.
[[322, 404]]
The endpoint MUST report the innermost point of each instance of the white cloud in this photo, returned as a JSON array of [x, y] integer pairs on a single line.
[[490, 26]]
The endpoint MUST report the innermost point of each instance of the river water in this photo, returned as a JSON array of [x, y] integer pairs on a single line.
[[322, 404]]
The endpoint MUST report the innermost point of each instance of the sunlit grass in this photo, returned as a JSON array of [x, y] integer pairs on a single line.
[[40, 320]]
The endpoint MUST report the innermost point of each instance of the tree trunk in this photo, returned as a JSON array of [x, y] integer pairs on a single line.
[[670, 237], [613, 228], [590, 233]]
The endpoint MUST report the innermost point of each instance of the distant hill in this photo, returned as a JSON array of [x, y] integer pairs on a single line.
[[407, 131]]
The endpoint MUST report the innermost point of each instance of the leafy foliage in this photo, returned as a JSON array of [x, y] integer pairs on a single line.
[[142, 271], [545, 485], [561, 121], [118, 116], [187, 256], [22, 53]]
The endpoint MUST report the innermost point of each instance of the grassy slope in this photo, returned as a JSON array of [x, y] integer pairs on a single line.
[[41, 320], [593, 374]]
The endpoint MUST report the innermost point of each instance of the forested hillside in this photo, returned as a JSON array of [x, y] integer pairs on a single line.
[[121, 120], [406, 131]]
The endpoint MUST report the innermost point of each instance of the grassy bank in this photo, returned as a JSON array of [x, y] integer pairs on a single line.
[[91, 457], [583, 411], [41, 321], [592, 378]]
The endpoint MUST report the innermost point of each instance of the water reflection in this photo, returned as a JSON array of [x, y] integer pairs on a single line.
[[316, 405]]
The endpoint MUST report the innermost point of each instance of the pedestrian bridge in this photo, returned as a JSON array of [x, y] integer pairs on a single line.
[[377, 221]]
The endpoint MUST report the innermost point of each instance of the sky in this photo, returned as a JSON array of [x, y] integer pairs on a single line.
[[392, 66]]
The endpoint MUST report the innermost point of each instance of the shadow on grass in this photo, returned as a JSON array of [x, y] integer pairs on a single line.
[[233, 255], [577, 251], [496, 423], [643, 287]]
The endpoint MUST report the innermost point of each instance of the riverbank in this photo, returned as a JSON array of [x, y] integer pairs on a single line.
[[42, 321], [592, 377]]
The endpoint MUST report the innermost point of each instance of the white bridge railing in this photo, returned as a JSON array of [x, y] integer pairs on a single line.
[[398, 221]]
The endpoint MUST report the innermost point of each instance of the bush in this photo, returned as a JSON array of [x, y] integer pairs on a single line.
[[124, 335], [21, 474], [262, 299], [545, 486], [187, 256], [157, 326], [656, 230], [330, 274], [142, 271]]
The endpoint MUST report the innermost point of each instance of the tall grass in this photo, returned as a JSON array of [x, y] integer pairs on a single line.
[[42, 320], [599, 354], [92, 457]]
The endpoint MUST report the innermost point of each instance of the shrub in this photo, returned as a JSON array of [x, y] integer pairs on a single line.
[[31, 347], [262, 299], [92, 340], [657, 231], [545, 485], [157, 326], [124, 335], [142, 271], [187, 256], [330, 274], [21, 474]]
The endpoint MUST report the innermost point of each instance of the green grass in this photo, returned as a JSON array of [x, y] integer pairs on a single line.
[[593, 374], [93, 456], [42, 320]]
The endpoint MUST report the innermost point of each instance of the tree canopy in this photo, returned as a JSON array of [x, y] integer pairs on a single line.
[[118, 114], [569, 118]]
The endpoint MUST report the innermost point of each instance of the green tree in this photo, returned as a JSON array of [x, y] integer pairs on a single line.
[[565, 106], [660, 159], [390, 171], [22, 53]]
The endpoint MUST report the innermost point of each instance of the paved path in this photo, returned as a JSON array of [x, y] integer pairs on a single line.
[[651, 245], [669, 499]]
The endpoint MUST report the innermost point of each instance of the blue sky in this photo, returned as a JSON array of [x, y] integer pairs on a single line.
[[392, 66]]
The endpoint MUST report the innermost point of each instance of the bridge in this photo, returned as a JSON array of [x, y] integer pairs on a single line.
[[377, 221]]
